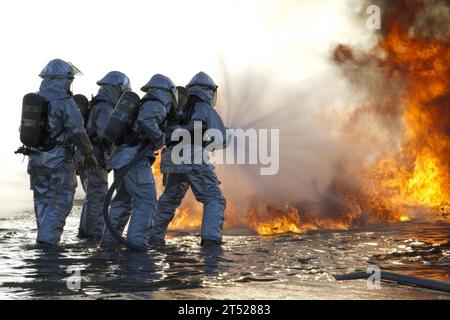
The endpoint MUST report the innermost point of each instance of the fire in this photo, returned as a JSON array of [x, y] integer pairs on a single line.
[[404, 219], [188, 216], [415, 178], [275, 221], [271, 220], [184, 219], [419, 174]]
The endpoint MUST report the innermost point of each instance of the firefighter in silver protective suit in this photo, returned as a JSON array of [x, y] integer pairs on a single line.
[[136, 196], [200, 175], [95, 184], [51, 167]]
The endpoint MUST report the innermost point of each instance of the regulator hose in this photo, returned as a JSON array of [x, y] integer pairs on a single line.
[[120, 174]]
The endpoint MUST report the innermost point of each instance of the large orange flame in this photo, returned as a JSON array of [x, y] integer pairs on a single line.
[[415, 178], [419, 174]]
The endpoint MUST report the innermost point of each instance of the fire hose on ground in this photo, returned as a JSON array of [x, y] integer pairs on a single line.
[[439, 285], [120, 174]]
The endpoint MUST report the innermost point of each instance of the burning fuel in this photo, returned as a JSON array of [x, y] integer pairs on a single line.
[[412, 56], [402, 119]]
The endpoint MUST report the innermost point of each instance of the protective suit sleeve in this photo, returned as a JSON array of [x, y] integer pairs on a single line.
[[83, 143], [74, 126], [101, 120], [151, 115], [199, 114], [214, 121]]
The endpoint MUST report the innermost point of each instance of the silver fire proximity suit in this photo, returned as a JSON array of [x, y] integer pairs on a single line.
[[95, 183], [200, 177], [52, 173], [136, 197]]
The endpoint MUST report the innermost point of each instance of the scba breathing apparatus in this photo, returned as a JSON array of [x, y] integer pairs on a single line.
[[34, 133]]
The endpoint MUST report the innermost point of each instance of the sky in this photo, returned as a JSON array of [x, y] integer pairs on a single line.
[[141, 38]]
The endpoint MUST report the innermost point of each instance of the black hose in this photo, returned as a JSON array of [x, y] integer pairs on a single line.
[[120, 174], [439, 285]]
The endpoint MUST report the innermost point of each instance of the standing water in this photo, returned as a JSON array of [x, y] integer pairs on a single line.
[[244, 260]]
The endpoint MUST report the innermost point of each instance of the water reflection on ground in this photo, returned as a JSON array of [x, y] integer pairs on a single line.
[[27, 271]]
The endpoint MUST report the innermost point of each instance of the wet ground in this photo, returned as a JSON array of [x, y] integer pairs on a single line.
[[248, 266]]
